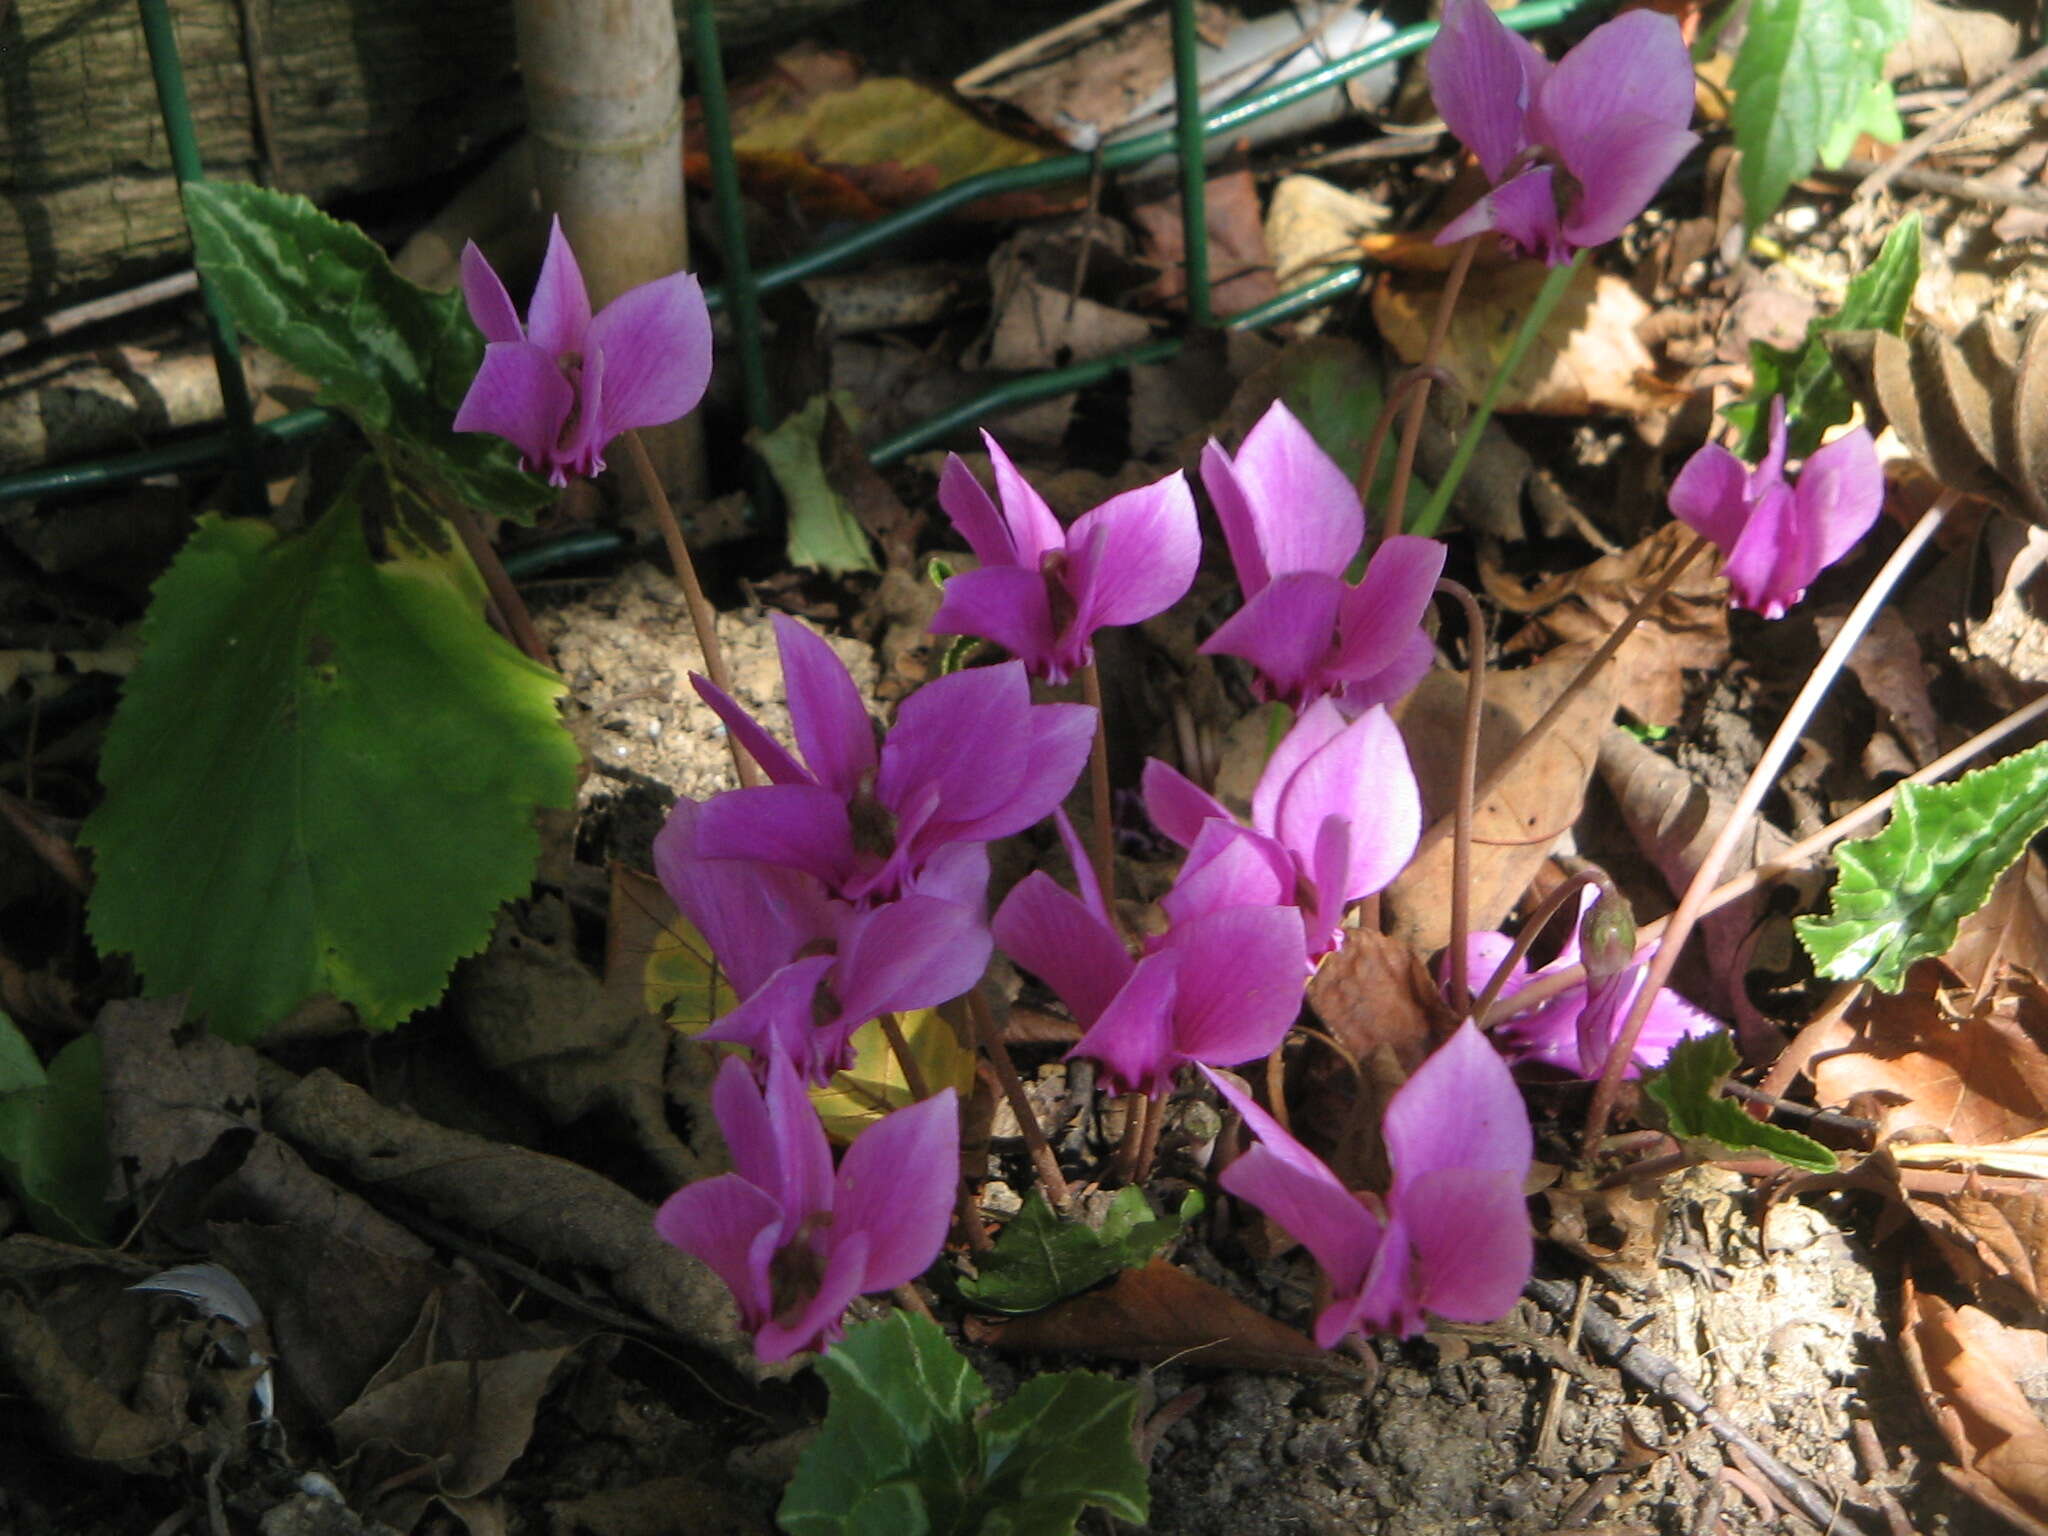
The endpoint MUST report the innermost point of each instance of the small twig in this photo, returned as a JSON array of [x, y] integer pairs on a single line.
[[1125, 1162], [913, 1074], [1969, 189], [1468, 772], [58, 321], [1102, 834], [997, 1053], [1525, 940], [1691, 906], [1833, 1119], [703, 620], [1656, 1374], [1986, 96], [510, 605], [1560, 1382], [1418, 402]]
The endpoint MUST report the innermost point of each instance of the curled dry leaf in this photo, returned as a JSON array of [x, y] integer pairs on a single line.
[[2011, 928], [1969, 1367], [1686, 631]]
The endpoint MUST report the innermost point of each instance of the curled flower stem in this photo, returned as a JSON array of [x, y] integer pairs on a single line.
[[1692, 905], [1553, 289], [1405, 384], [1043, 1163], [1581, 681], [1468, 772], [1418, 401], [1531, 930], [504, 596], [1102, 831], [913, 1074], [702, 619]]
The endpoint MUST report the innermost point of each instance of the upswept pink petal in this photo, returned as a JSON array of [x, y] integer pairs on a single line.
[[1481, 83], [1839, 495], [754, 917], [831, 723], [819, 1321], [1770, 564], [1631, 74], [1473, 1247], [1710, 495], [1600, 1019], [776, 1022], [1297, 1189], [804, 1154], [974, 514], [1314, 729], [1082, 862], [1461, 1109], [750, 1134], [520, 395], [1052, 934], [1134, 556], [1522, 211], [896, 1187], [1133, 1040], [1284, 631], [775, 759], [1412, 661], [956, 873], [656, 344], [731, 1226], [1385, 610], [1303, 509], [1234, 512], [490, 306], [1329, 877], [1056, 742], [989, 707], [1363, 775], [799, 826], [1177, 805], [916, 952], [1034, 531], [1006, 605], [1771, 468], [1635, 159], [1229, 866], [559, 316], [1241, 981]]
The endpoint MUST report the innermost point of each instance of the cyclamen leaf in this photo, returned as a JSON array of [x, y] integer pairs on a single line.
[[19, 1067], [1805, 68], [53, 1143], [1901, 893], [1040, 1259], [822, 529], [1688, 1086], [322, 295], [322, 776], [1815, 396], [905, 1448]]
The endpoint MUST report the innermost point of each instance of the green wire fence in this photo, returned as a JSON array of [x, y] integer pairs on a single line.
[[247, 445]]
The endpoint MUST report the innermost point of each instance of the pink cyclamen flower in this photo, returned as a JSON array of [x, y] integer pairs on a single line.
[[562, 386], [1222, 988], [1336, 816], [1571, 1030], [795, 1244], [808, 970], [1042, 591], [1293, 523], [1451, 1235], [970, 759], [1777, 536], [1574, 150]]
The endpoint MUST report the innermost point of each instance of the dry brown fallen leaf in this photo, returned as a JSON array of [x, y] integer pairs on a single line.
[[1587, 360], [1516, 826], [1888, 666], [2011, 928], [1313, 226], [1965, 1364], [1240, 270], [1686, 631], [1161, 1313]]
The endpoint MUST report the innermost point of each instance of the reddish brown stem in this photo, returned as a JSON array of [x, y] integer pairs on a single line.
[[1418, 403], [1043, 1163], [913, 1074], [1468, 772], [504, 596], [1102, 831]]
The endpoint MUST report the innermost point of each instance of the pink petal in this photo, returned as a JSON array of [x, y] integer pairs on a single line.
[[490, 306], [1229, 866], [1522, 211], [1241, 982], [1004, 604], [1316, 727], [1233, 510], [754, 917], [1050, 933], [975, 516], [1710, 495], [1297, 1189], [1384, 612], [1481, 83], [656, 344], [1390, 1301], [1636, 157], [1769, 566], [1629, 74], [559, 316], [956, 873], [799, 826], [1840, 493], [776, 1022], [1304, 510], [987, 706], [915, 952], [1133, 1040], [803, 1152], [1330, 878], [1134, 556], [730, 1225], [1461, 1109], [819, 1322], [1034, 531], [1177, 805], [582, 453], [896, 1188], [1362, 775], [1082, 862], [1670, 1020], [1285, 631], [520, 395], [1055, 749], [1469, 1229], [775, 760], [826, 712], [1411, 662], [1770, 470]]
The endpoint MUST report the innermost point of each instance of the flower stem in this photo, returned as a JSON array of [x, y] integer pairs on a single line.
[[1043, 1163], [1468, 772], [504, 596], [1125, 1164], [1692, 905], [1531, 930], [1581, 681], [702, 619], [1418, 401], [1102, 831], [1553, 289], [913, 1074], [1148, 1149]]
